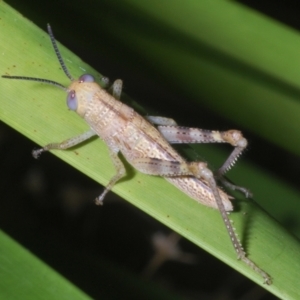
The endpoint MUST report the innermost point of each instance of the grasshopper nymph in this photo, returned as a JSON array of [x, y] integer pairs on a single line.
[[146, 145]]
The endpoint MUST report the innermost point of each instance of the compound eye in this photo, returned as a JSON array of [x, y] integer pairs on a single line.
[[72, 100], [86, 78]]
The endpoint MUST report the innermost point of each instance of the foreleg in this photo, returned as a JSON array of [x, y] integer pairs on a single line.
[[65, 144], [79, 139], [117, 88]]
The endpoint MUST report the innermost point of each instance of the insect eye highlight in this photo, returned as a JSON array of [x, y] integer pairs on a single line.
[[72, 100], [86, 78]]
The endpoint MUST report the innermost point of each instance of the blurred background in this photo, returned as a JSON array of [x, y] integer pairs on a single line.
[[49, 206]]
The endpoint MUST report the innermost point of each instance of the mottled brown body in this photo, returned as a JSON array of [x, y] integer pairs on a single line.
[[147, 148], [126, 131]]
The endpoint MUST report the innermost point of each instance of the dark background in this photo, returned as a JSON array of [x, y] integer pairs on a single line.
[[55, 217]]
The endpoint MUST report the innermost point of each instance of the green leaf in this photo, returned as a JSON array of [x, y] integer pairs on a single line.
[[232, 67], [24, 276]]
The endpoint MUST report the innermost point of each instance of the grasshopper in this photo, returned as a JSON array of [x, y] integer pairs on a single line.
[[146, 145]]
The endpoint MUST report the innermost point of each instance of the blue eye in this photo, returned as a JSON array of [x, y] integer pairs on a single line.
[[86, 78], [72, 100]]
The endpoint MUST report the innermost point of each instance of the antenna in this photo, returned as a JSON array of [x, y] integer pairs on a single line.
[[52, 82], [61, 62], [60, 59]]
